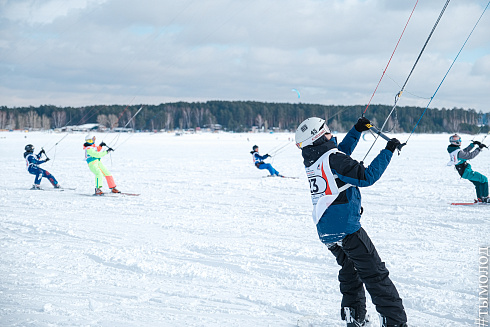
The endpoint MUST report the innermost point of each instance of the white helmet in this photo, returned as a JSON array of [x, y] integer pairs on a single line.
[[309, 131], [89, 139]]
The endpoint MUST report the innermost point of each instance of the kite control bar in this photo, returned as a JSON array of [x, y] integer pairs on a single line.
[[374, 130]]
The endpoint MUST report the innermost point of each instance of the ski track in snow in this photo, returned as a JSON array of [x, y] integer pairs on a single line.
[[211, 243]]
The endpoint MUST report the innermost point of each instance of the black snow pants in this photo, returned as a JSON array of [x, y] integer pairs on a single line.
[[362, 266]]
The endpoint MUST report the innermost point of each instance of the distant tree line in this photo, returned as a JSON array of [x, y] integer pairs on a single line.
[[241, 116]]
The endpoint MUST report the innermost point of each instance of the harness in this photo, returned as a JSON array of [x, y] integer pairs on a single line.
[[461, 168]]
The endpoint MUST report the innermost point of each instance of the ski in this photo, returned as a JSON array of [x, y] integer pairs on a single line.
[[114, 194], [60, 189], [280, 176], [290, 177], [469, 203], [130, 194]]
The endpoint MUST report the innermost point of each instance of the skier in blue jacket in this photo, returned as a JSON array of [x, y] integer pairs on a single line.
[[32, 164], [259, 161], [334, 179]]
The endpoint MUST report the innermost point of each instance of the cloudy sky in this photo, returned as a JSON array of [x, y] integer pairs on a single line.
[[85, 52]]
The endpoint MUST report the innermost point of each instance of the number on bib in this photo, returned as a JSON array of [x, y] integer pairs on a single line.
[[317, 185]]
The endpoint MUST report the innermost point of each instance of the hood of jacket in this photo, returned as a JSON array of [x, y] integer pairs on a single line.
[[313, 152], [452, 148]]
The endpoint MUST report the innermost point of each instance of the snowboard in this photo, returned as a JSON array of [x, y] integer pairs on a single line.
[[323, 321], [315, 321]]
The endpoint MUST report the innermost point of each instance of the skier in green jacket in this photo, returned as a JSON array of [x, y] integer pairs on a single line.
[[93, 154]]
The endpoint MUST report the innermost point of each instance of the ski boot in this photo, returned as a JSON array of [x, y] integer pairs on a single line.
[[115, 190], [350, 314], [57, 186], [384, 323], [485, 199], [36, 187], [98, 191]]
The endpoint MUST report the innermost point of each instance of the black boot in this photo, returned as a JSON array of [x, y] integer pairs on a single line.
[[349, 315], [384, 323]]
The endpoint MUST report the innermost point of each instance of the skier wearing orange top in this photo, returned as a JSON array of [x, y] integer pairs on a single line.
[[93, 154]]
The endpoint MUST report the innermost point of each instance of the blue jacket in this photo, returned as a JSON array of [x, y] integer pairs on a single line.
[[343, 216], [32, 161], [258, 159]]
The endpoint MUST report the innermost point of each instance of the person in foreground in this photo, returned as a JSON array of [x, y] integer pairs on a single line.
[[32, 163], [459, 158], [334, 179]]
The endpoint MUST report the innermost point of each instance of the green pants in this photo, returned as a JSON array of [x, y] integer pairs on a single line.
[[100, 171], [479, 180]]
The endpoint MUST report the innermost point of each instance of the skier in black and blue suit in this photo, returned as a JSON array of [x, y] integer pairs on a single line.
[[259, 161], [334, 179], [32, 164]]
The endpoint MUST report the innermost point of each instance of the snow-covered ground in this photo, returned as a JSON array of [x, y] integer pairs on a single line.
[[209, 242]]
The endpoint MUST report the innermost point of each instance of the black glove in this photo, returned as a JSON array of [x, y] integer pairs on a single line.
[[267, 155], [42, 151], [46, 160], [392, 144], [102, 144], [480, 145], [361, 124], [110, 149]]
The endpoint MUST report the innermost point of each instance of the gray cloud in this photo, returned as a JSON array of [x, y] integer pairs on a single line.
[[84, 52]]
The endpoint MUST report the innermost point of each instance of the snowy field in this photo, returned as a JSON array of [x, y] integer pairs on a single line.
[[209, 242]]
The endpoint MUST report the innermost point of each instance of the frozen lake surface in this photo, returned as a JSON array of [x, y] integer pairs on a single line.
[[209, 242]]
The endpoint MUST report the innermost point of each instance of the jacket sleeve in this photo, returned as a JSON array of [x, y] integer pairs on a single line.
[[350, 141], [35, 161], [351, 171], [467, 154], [261, 157], [96, 154]]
